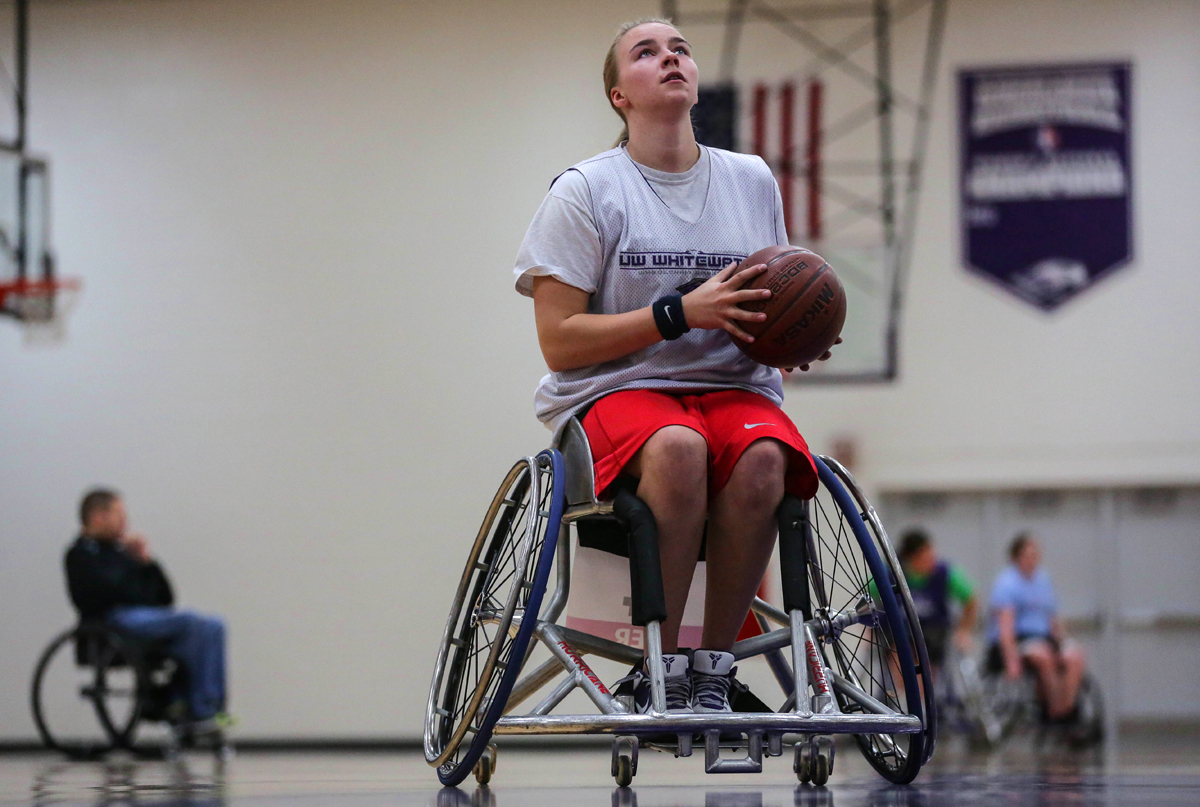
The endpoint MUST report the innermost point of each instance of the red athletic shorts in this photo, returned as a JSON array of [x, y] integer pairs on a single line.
[[729, 420]]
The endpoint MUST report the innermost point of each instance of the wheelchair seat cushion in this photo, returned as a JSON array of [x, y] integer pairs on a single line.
[[619, 424], [609, 535], [94, 636]]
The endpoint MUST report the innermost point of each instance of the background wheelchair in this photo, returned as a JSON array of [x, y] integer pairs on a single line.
[[976, 698], [94, 687], [838, 678]]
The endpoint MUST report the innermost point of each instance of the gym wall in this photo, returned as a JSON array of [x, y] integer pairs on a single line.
[[299, 354], [1123, 562]]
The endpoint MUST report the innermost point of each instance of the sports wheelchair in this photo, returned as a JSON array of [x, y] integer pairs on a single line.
[[840, 678], [976, 698], [95, 686]]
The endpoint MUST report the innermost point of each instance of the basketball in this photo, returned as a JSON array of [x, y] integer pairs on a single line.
[[805, 312]]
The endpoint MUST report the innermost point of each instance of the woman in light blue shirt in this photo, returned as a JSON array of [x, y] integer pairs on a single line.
[[1024, 630]]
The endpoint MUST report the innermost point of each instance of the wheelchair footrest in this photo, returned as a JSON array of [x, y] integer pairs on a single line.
[[751, 763]]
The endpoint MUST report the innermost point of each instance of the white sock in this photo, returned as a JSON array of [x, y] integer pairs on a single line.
[[712, 662]]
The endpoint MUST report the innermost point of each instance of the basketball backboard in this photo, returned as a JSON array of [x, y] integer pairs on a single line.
[[30, 290], [841, 116]]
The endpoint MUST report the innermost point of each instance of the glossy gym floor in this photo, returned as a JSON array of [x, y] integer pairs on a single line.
[[1141, 768]]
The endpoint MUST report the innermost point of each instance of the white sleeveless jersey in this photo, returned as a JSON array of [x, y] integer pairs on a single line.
[[649, 251]]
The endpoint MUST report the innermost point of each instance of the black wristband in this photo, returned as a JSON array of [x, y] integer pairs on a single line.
[[668, 316]]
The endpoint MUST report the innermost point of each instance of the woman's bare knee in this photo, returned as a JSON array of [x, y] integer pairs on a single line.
[[757, 481], [1040, 659], [675, 462], [672, 446]]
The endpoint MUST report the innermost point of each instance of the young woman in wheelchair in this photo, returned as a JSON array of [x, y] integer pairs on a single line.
[[1026, 633], [634, 263]]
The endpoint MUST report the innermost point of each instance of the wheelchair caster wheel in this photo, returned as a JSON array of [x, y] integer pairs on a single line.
[[820, 771], [486, 765], [800, 761], [822, 760], [624, 770], [813, 760], [624, 760]]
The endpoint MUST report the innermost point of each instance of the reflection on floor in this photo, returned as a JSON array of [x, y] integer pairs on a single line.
[[1150, 769]]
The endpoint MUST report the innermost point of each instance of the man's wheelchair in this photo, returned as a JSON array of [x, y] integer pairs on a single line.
[[839, 677], [95, 687]]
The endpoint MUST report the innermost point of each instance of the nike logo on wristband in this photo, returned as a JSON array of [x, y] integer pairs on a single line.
[[667, 311], [754, 425]]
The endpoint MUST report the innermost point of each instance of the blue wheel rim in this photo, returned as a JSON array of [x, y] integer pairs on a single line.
[[525, 632]]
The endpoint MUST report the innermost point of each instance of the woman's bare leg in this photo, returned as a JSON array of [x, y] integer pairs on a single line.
[[672, 467], [1073, 664], [741, 535], [1050, 682]]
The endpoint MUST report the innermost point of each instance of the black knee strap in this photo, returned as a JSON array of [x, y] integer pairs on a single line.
[[794, 533], [645, 568]]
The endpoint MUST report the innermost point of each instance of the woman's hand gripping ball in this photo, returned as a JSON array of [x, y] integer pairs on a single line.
[[714, 304]]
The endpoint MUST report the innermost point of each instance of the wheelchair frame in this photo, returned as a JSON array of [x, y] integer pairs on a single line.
[[758, 733], [984, 704], [102, 648]]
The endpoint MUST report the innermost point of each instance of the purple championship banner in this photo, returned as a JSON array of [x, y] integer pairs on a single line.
[[1045, 176]]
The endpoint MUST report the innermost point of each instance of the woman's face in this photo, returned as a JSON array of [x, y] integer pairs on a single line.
[[1030, 558], [657, 73]]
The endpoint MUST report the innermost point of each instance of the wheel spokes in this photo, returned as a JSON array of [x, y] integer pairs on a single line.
[[863, 651], [495, 607]]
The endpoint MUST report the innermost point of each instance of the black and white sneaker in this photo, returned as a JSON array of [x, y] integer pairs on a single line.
[[712, 672], [677, 684]]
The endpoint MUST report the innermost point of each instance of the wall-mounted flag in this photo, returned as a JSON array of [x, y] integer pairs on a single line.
[[1045, 176]]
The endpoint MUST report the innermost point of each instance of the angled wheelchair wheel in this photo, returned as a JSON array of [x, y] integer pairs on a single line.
[[494, 613], [1090, 728], [903, 598], [876, 654], [86, 692]]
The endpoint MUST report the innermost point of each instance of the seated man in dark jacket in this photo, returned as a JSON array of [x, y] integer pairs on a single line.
[[111, 576]]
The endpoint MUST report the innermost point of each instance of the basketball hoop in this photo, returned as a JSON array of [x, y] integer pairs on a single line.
[[36, 301]]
